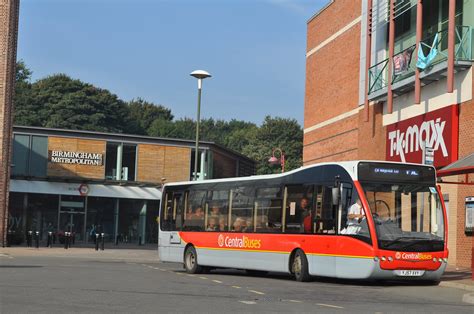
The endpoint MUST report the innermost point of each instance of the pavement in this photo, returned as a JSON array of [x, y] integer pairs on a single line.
[[129, 280]]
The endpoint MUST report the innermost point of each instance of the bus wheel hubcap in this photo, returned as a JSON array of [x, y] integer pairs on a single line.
[[191, 260], [297, 265]]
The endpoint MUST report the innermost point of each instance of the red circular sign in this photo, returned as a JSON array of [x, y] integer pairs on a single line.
[[83, 189]]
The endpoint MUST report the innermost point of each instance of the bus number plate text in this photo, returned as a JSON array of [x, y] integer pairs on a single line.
[[410, 273]]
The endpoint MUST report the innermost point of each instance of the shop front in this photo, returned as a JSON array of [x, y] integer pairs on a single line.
[[125, 214]]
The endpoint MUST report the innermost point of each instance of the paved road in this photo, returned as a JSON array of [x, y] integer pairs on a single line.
[[128, 282]]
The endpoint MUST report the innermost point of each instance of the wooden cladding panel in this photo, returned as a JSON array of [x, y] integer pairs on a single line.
[[151, 162], [156, 162], [75, 170], [177, 164]]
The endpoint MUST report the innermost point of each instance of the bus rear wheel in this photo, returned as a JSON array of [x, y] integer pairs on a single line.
[[299, 266], [191, 261]]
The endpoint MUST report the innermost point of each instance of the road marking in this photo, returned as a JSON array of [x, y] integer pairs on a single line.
[[217, 281], [248, 302], [236, 287], [329, 305], [190, 275], [294, 301], [202, 277], [255, 291]]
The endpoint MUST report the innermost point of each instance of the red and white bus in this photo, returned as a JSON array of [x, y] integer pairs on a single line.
[[358, 219]]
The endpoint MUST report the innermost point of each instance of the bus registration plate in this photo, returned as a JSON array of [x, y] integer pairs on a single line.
[[410, 273]]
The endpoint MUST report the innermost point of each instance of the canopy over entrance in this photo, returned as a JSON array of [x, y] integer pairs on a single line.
[[463, 166]]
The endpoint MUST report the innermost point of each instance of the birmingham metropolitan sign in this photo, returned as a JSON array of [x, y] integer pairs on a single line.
[[77, 158]]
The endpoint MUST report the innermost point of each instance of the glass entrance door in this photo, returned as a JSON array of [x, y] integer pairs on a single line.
[[71, 217], [74, 223]]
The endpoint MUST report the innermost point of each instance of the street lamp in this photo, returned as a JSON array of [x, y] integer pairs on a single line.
[[200, 75], [275, 161]]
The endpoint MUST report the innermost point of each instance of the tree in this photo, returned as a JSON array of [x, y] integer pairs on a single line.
[[24, 107], [59, 101], [282, 133], [145, 113]]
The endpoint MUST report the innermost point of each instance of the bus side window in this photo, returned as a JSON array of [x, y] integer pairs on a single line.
[[243, 199], [194, 215], [268, 206], [217, 210]]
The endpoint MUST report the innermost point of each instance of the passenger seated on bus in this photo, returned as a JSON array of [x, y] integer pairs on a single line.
[[248, 225], [239, 224], [215, 211], [212, 225], [222, 224], [198, 214], [189, 213]]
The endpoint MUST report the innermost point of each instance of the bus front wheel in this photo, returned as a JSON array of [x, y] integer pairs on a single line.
[[191, 261], [299, 266]]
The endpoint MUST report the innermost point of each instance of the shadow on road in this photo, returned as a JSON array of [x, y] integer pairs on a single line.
[[336, 281], [20, 266]]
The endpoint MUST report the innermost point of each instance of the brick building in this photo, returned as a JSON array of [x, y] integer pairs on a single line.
[[8, 37], [83, 182], [390, 82]]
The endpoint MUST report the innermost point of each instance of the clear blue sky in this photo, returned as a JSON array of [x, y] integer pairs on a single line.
[[255, 50]]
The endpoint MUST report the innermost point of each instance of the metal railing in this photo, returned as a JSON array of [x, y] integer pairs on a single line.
[[378, 73]]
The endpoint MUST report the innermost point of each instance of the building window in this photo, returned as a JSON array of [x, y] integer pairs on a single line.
[[30, 155], [120, 161]]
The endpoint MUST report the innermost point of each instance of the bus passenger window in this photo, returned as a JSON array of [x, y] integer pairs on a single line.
[[194, 216], [217, 210], [268, 206], [242, 209]]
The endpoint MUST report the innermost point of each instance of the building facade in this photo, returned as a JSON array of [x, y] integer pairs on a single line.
[[9, 10], [393, 80], [88, 182]]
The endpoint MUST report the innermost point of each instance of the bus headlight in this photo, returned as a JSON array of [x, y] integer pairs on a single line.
[[434, 259], [383, 258], [376, 259], [390, 259], [445, 259]]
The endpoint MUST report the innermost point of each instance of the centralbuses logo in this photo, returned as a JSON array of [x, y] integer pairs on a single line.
[[220, 240], [413, 256], [242, 242]]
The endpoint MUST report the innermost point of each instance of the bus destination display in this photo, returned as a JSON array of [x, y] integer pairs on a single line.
[[402, 173]]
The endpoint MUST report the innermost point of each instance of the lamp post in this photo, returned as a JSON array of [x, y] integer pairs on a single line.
[[275, 161], [200, 75]]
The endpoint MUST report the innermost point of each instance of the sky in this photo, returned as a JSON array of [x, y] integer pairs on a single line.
[[254, 50]]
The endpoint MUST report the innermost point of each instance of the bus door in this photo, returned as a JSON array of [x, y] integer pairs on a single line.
[[171, 222], [175, 242], [323, 261], [353, 244]]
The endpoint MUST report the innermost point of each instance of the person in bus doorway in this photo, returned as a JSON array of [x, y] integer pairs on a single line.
[[305, 214], [355, 213], [354, 216]]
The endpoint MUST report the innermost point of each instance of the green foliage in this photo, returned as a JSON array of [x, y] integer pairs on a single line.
[[58, 101], [282, 133], [145, 113]]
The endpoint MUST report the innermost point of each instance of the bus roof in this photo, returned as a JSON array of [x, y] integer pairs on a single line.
[[349, 166]]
